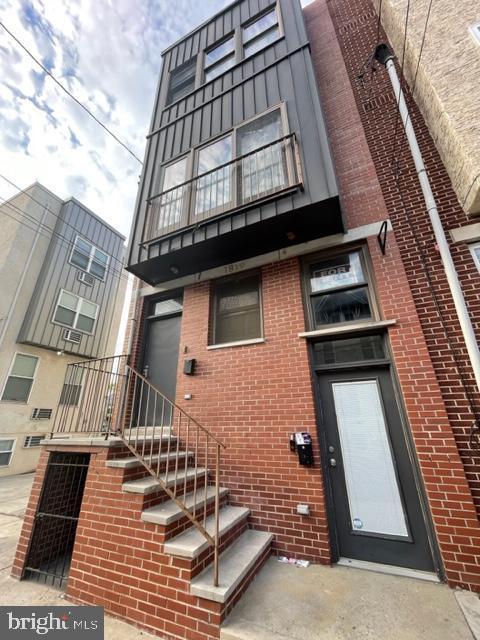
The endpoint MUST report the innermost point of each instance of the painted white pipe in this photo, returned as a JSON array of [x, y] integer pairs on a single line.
[[386, 57]]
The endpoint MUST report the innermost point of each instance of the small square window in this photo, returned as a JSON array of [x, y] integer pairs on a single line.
[[182, 81], [89, 258], [237, 310], [75, 312]]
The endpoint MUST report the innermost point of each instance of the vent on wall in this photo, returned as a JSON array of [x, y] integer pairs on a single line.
[[41, 414], [72, 336], [86, 278], [33, 441]]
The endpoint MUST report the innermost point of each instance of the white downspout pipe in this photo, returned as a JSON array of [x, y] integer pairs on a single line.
[[385, 56]]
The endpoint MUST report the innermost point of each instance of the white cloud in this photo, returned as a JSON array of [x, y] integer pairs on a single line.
[[108, 54]]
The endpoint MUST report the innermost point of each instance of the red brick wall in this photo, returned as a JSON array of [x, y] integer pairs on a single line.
[[356, 29], [253, 397]]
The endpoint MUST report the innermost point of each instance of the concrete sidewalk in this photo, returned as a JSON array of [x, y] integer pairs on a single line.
[[14, 493], [341, 603]]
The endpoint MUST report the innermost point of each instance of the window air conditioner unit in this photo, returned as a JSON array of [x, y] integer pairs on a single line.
[[72, 336], [86, 278]]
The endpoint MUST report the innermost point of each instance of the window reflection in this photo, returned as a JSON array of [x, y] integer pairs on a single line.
[[213, 190]]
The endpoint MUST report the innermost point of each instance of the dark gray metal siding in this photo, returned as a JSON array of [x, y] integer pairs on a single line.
[[57, 273], [282, 72]]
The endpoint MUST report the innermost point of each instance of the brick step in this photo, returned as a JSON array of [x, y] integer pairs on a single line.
[[148, 484], [133, 462], [192, 542], [168, 512], [234, 565]]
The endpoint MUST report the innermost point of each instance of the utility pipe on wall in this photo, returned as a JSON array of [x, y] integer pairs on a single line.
[[385, 56]]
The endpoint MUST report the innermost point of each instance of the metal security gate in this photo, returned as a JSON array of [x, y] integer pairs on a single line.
[[56, 519]]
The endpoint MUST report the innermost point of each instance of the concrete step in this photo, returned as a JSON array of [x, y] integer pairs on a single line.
[[192, 542], [234, 564], [132, 462], [148, 484], [167, 512]]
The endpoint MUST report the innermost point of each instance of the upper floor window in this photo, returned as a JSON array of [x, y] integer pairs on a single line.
[[20, 378], [475, 249], [181, 81], [237, 309], [338, 289], [75, 312], [252, 162], [219, 59], [89, 258], [260, 33]]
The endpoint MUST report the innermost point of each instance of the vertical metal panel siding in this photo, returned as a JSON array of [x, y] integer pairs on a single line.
[[57, 273], [202, 117]]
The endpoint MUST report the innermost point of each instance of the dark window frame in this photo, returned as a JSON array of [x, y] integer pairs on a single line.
[[213, 324], [171, 75], [367, 284]]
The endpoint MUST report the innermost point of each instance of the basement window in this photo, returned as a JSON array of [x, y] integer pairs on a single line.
[[237, 310]]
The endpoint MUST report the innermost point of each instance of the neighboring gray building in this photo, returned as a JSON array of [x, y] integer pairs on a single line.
[[61, 294]]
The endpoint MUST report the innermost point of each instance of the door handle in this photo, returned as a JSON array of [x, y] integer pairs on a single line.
[[332, 462]]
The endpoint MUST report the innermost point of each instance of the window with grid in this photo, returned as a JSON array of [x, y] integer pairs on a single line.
[[219, 58], [75, 312], [260, 33], [237, 309], [89, 258], [181, 81], [6, 452], [338, 290], [20, 379]]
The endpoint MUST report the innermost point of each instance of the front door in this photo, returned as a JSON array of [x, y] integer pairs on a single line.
[[377, 513], [160, 360]]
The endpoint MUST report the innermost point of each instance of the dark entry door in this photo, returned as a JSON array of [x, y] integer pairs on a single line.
[[376, 506], [160, 367]]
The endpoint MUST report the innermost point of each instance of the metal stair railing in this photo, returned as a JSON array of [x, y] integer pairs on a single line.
[[108, 397]]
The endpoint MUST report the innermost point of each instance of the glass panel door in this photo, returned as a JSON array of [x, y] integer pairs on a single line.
[[265, 171], [213, 192], [172, 202], [372, 488]]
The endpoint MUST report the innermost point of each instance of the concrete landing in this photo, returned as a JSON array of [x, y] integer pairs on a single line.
[[340, 603]]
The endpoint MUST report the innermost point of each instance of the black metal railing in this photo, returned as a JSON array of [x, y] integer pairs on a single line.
[[258, 175], [107, 397]]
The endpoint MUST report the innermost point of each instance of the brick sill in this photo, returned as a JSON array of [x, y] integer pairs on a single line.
[[354, 327]]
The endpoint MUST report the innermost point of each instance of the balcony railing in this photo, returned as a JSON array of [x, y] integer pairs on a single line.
[[261, 174]]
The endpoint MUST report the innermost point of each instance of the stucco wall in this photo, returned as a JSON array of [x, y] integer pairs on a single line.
[[447, 87]]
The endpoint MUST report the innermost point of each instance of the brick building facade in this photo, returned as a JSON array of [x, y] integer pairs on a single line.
[[282, 377]]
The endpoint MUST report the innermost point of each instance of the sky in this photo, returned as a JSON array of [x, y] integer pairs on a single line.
[[107, 53]]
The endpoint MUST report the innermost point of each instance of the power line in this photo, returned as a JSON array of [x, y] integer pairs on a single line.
[[29, 53], [39, 228], [42, 204]]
